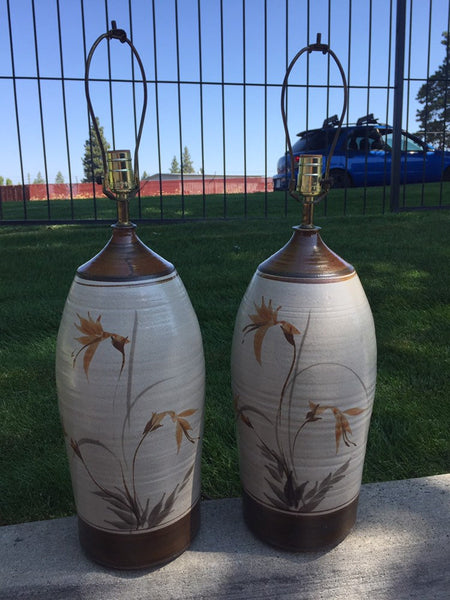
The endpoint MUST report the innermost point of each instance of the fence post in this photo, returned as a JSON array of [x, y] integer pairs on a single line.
[[396, 157]]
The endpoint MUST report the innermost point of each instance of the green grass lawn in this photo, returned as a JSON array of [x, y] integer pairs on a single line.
[[402, 261], [354, 201]]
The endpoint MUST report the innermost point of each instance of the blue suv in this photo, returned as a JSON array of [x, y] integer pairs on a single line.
[[363, 155]]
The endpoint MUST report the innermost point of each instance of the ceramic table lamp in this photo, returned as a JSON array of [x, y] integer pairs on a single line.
[[303, 375], [130, 380]]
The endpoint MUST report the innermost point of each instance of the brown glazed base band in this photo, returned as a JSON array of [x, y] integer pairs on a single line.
[[299, 532], [139, 550]]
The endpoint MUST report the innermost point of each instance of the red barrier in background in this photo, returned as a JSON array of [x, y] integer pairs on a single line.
[[211, 185], [14, 193]]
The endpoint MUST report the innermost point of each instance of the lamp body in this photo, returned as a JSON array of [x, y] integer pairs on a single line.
[[130, 382], [303, 376]]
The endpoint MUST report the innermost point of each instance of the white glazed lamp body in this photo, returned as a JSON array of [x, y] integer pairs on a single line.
[[130, 380], [303, 374]]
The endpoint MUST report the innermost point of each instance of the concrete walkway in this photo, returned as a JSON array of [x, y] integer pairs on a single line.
[[399, 549]]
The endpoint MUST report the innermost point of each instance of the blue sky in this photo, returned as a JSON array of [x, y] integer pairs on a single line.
[[223, 116]]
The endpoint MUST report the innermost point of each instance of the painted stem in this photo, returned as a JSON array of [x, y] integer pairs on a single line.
[[133, 466], [280, 405], [291, 446], [296, 435]]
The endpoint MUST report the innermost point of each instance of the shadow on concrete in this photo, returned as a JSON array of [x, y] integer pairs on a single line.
[[400, 548]]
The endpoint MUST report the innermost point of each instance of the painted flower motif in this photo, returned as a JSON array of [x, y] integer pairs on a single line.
[[265, 318], [342, 429], [154, 423], [289, 331], [183, 426], [93, 335], [240, 413]]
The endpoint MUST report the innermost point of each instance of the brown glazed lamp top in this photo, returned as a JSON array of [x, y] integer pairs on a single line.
[[125, 258], [306, 257]]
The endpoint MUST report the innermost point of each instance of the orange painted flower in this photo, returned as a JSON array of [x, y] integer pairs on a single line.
[[93, 335], [343, 426], [154, 423], [289, 331], [342, 429], [118, 341], [316, 410], [183, 426], [265, 318]]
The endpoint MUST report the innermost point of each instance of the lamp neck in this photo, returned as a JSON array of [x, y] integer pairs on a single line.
[[307, 215], [123, 212]]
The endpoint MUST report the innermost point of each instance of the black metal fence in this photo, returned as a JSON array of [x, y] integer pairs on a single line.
[[214, 71]]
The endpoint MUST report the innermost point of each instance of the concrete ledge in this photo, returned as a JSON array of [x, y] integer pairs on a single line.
[[399, 549]]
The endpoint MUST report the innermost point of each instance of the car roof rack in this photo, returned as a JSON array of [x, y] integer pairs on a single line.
[[330, 122], [367, 120]]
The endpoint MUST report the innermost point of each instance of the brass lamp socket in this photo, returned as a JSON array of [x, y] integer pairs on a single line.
[[120, 171], [309, 176]]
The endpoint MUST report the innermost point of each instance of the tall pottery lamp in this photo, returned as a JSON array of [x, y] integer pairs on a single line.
[[303, 376], [130, 381]]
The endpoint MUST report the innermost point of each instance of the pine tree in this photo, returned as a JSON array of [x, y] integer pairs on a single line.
[[144, 175], [434, 95], [59, 177], [187, 164], [92, 160], [8, 181], [2, 181], [175, 167], [39, 178]]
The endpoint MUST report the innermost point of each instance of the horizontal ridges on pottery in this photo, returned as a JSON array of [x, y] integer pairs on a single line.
[[306, 257], [125, 258]]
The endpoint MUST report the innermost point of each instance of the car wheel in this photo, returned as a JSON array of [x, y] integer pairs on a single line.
[[341, 179], [446, 174]]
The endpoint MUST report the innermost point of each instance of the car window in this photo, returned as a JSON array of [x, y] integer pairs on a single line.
[[312, 142], [408, 144], [365, 139]]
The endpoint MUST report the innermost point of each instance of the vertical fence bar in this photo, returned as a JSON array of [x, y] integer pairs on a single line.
[[244, 104], [180, 125], [388, 97], [265, 108], [446, 101], [422, 195], [133, 84], [158, 133], [308, 41], [369, 74], [202, 132], [400, 30], [16, 109], [111, 102], [286, 59], [41, 111], [63, 91], [222, 67], [83, 29], [404, 165], [329, 41], [349, 74]]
